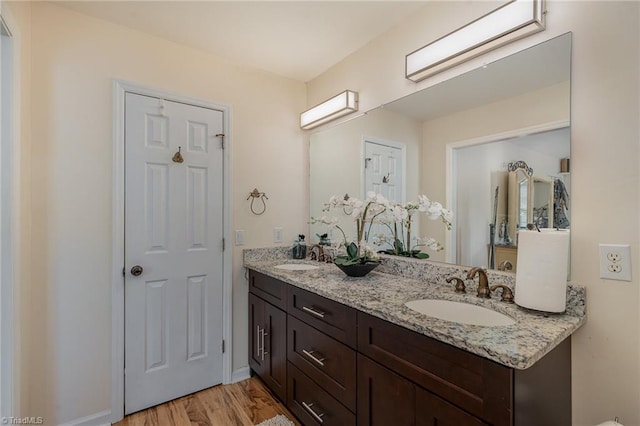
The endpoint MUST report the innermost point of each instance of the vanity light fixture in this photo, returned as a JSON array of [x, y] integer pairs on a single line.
[[338, 106], [512, 21]]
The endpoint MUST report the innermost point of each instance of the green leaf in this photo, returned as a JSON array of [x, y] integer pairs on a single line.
[[421, 255], [352, 250], [345, 261]]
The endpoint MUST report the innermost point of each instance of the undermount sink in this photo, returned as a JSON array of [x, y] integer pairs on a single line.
[[459, 312], [296, 267]]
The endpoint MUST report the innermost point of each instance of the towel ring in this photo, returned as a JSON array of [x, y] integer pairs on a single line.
[[262, 196]]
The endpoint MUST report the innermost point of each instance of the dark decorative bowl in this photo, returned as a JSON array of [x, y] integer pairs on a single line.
[[358, 269]]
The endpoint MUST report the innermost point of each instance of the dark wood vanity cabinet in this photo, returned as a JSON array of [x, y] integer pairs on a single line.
[[456, 387], [268, 339], [333, 365], [386, 398], [321, 342]]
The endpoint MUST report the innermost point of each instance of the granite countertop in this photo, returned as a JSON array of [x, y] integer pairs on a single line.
[[384, 294]]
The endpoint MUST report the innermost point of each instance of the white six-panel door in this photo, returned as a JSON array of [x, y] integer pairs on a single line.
[[173, 233], [384, 166], [384, 172]]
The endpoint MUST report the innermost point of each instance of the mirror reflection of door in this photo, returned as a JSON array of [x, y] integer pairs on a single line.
[[384, 169], [384, 173]]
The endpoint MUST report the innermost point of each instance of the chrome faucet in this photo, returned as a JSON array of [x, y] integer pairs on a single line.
[[483, 282]]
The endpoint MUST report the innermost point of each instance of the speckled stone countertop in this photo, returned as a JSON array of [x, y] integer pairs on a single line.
[[384, 292]]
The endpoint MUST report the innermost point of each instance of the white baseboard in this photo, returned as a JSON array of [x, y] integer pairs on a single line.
[[240, 374], [103, 418]]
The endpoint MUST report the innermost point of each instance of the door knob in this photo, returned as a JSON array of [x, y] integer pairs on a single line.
[[136, 271]]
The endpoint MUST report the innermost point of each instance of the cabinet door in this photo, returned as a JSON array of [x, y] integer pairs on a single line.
[[275, 348], [268, 344], [434, 411], [256, 328], [384, 398]]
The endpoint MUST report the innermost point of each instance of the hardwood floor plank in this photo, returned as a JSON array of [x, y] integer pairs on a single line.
[[245, 403]]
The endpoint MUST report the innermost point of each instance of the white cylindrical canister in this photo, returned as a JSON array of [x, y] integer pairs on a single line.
[[541, 276]]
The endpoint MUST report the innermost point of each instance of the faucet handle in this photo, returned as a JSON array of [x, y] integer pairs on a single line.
[[505, 265], [507, 293], [459, 284]]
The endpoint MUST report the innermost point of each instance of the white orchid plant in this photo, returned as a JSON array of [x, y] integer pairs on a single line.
[[376, 209], [402, 215]]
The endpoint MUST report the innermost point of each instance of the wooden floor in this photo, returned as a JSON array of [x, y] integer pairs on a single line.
[[244, 403]]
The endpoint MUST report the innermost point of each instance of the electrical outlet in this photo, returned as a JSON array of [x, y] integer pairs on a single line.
[[277, 235], [239, 237], [613, 256], [615, 262], [614, 267]]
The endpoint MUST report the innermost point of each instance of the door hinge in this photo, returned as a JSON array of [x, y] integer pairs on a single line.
[[223, 346], [221, 136], [124, 271], [224, 244]]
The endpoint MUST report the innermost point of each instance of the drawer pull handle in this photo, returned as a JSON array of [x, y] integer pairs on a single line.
[[260, 333], [311, 411], [263, 351], [312, 311], [311, 355], [258, 341]]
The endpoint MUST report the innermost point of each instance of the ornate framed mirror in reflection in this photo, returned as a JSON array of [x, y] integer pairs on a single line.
[[457, 139]]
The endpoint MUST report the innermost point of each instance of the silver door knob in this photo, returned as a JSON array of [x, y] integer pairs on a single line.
[[136, 271]]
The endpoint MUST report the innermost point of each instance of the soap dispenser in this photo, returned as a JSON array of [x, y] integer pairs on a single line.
[[299, 250]]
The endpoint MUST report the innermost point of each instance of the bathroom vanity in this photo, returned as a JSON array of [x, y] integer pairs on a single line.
[[345, 351]]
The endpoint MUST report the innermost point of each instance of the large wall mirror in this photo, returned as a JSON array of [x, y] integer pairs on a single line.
[[460, 142]]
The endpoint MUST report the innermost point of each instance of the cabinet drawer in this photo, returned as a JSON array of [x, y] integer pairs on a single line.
[[332, 318], [270, 289], [311, 404], [331, 364], [477, 385]]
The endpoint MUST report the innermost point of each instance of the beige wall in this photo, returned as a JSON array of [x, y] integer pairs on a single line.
[[605, 163], [74, 60]]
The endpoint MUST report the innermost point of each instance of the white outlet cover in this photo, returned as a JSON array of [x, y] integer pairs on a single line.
[[615, 262], [239, 237], [277, 235]]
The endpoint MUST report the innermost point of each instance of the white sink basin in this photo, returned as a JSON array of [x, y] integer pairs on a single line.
[[296, 267], [463, 313]]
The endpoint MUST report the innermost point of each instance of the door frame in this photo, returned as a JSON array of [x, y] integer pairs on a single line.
[[120, 88], [451, 157], [9, 217]]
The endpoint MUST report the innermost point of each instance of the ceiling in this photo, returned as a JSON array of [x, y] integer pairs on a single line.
[[294, 39]]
